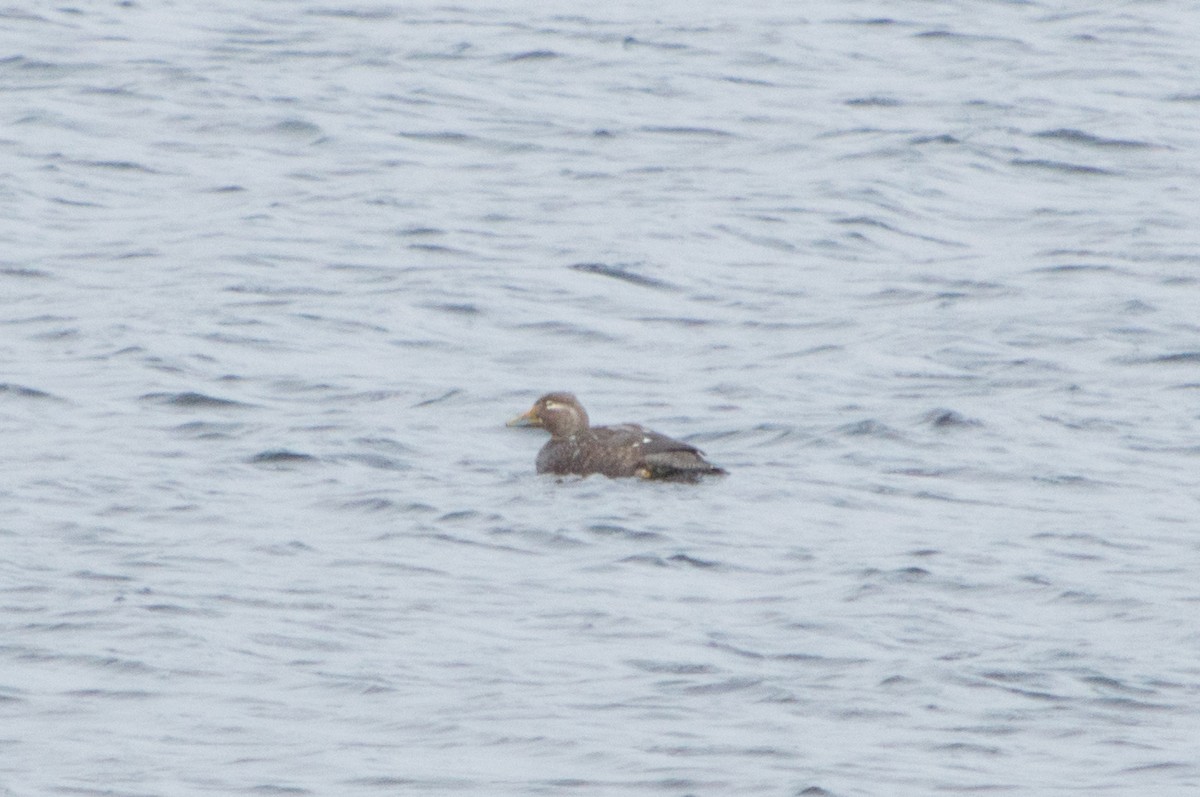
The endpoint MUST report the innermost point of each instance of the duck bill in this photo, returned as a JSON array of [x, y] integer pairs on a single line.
[[528, 419]]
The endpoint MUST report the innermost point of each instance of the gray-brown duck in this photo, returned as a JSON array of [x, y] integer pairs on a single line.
[[615, 451]]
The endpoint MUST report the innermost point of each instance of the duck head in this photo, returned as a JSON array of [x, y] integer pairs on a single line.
[[558, 413]]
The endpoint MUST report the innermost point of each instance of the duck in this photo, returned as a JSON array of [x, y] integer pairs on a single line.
[[628, 450]]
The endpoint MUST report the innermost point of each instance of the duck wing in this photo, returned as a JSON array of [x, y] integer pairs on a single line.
[[652, 455]]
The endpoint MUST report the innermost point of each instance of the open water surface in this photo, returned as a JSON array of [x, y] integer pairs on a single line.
[[925, 277]]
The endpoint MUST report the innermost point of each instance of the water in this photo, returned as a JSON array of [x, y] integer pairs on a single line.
[[923, 277]]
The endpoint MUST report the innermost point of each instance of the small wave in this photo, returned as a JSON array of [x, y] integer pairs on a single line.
[[452, 308], [369, 505], [296, 127], [21, 14], [415, 231], [688, 131], [30, 273], [174, 609], [391, 782], [1126, 704], [1062, 166], [1187, 357], [1067, 268], [616, 530], [674, 561], [121, 166], [440, 137], [747, 81], [806, 658], [949, 419], [623, 274], [944, 138], [274, 788], [280, 456], [633, 41], [759, 436], [449, 394], [366, 14], [874, 102], [1158, 766], [870, 428], [533, 55], [686, 323], [460, 515], [562, 328], [724, 687], [91, 575], [20, 391], [1068, 480], [192, 400], [672, 667], [967, 38], [293, 642], [119, 694], [1080, 137], [438, 249], [377, 461]]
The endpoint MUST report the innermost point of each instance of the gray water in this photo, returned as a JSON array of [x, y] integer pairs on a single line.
[[925, 277]]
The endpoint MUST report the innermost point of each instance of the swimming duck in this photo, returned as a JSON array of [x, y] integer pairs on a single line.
[[615, 451]]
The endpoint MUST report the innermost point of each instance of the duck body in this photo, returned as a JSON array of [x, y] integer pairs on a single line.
[[628, 450]]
